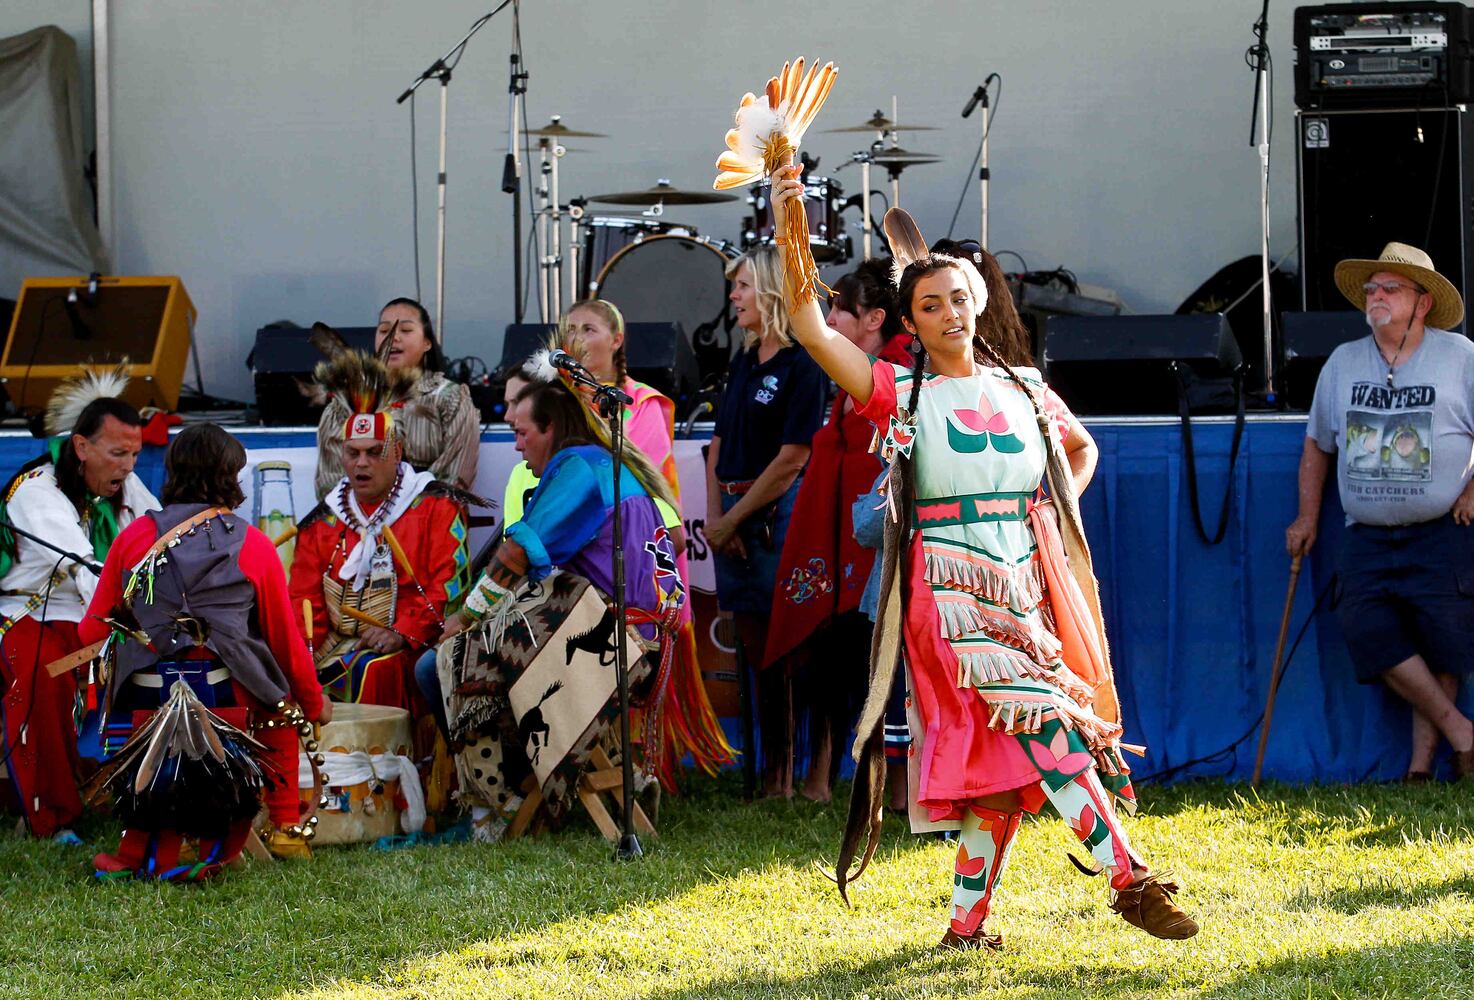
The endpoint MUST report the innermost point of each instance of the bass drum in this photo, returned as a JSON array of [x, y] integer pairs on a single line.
[[676, 279]]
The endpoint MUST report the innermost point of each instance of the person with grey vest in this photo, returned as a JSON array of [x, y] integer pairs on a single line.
[[192, 597]]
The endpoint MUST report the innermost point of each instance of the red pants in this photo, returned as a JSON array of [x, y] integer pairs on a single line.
[[40, 732]]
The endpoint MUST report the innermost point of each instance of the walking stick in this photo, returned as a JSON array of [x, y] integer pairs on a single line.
[[1274, 677]]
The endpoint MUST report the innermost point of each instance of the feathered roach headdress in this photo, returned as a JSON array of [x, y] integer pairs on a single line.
[[766, 135], [76, 393], [372, 392]]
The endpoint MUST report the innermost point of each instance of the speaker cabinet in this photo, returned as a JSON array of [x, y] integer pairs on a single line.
[[1366, 178], [282, 360], [1115, 365], [60, 328], [1310, 338]]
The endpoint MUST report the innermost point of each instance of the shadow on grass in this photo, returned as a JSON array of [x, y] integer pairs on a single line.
[[1426, 969], [1382, 893], [356, 914]]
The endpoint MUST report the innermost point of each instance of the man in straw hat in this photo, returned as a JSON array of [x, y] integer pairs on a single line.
[[77, 496], [1398, 407]]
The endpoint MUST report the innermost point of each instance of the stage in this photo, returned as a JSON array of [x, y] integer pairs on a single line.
[[1192, 626]]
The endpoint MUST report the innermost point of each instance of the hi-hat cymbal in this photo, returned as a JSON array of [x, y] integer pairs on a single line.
[[895, 156], [663, 193], [880, 123], [558, 129]]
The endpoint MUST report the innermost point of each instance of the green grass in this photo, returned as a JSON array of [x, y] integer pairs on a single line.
[[1320, 892]]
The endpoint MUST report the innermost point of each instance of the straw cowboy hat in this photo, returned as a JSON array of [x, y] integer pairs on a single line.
[[1413, 264]]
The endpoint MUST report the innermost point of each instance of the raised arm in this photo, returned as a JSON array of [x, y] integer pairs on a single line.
[[843, 361]]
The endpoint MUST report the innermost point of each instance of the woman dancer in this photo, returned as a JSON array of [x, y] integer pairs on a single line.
[[773, 405], [823, 570], [1001, 633], [441, 426]]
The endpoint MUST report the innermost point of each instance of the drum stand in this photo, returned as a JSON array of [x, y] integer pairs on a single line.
[[550, 227]]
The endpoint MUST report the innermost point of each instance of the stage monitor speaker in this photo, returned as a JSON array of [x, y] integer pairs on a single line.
[[283, 360], [1368, 178], [1121, 365], [61, 328], [658, 354], [1310, 337]]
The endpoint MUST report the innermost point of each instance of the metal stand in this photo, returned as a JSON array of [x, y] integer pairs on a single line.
[[550, 225], [1260, 128], [512, 170], [440, 70], [983, 172], [611, 402]]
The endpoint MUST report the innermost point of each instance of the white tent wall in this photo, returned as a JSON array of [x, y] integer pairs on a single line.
[[259, 154], [75, 18]]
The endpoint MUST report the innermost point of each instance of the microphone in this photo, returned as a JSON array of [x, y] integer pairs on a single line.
[[92, 280], [564, 361], [979, 96], [80, 329]]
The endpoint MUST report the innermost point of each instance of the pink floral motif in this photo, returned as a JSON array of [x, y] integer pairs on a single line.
[[1084, 825], [1058, 756], [984, 418]]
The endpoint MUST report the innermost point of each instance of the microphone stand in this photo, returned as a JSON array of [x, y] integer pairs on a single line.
[[611, 402], [79, 560], [440, 70], [1259, 127]]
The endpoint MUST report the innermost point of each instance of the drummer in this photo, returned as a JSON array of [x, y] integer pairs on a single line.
[[383, 558], [567, 523]]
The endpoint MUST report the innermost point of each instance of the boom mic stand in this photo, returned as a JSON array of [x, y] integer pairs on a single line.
[[79, 560], [440, 70], [1258, 58], [611, 402]]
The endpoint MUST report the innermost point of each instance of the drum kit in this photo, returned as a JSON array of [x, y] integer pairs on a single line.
[[659, 270]]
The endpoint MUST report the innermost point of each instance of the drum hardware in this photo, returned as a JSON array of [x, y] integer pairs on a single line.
[[878, 122], [663, 193], [823, 202], [978, 99], [675, 278], [556, 129], [605, 235]]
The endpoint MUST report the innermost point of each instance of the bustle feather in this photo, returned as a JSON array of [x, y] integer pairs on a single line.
[[76, 393]]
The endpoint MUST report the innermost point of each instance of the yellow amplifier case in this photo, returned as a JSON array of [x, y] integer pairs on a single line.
[[59, 330]]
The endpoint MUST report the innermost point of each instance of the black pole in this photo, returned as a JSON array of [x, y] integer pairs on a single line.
[[80, 561], [629, 844], [746, 695], [512, 178]]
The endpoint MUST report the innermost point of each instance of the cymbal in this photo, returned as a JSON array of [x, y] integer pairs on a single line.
[[662, 193], [557, 128], [895, 156], [880, 123]]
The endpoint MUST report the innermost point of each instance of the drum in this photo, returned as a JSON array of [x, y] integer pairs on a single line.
[[823, 201], [605, 236], [676, 279], [364, 810]]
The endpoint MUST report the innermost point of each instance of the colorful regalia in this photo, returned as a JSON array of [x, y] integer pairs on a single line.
[[194, 605], [42, 598]]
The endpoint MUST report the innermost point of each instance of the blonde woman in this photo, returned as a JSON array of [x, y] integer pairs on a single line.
[[771, 409]]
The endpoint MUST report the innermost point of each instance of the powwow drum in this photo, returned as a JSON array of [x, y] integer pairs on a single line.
[[676, 279], [606, 235], [823, 201], [367, 809], [537, 696]]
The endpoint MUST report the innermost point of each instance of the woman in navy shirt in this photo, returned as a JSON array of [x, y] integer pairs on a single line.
[[772, 407]]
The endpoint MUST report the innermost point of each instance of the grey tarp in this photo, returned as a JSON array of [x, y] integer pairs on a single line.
[[46, 225]]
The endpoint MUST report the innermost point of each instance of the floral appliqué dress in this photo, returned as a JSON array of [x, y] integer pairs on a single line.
[[999, 709]]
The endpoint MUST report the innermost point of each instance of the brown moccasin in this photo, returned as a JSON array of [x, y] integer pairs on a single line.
[[1148, 904], [980, 941]]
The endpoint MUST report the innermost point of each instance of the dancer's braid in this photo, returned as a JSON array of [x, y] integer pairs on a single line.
[[990, 353]]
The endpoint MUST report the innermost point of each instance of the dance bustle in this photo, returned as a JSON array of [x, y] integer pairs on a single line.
[[187, 769]]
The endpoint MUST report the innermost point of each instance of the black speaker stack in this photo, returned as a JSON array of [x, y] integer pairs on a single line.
[[1384, 143]]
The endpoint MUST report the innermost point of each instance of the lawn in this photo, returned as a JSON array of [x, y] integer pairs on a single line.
[[1302, 892]]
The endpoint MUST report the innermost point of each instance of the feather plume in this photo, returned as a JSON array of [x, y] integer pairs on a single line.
[[329, 342], [75, 393], [784, 110], [540, 368], [905, 239]]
